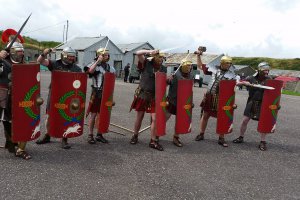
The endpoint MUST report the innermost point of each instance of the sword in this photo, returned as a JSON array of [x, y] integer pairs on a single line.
[[172, 48], [7, 49], [262, 86]]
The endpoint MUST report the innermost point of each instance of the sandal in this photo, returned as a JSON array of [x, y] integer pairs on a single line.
[[176, 141], [91, 139], [238, 140], [134, 139], [65, 144], [200, 137], [44, 140], [100, 138], [155, 145], [262, 146], [23, 154], [222, 142]]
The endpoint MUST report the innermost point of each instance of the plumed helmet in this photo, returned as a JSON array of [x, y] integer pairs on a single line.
[[226, 59], [68, 55], [263, 66], [186, 66], [102, 51], [15, 55]]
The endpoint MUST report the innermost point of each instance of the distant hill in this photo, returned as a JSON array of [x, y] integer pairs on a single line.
[[287, 64], [34, 44]]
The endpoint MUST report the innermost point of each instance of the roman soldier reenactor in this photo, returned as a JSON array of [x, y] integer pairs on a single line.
[[149, 62], [209, 104], [96, 71], [66, 63]]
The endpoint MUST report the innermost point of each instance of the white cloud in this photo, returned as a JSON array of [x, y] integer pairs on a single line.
[[239, 28]]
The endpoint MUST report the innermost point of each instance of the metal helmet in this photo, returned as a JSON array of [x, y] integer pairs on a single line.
[[186, 66], [68, 55], [226, 59], [16, 52], [263, 66], [102, 51]]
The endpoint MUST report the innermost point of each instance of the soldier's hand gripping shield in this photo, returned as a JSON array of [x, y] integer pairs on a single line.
[[67, 104]]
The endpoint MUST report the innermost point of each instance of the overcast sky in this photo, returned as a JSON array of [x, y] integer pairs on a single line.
[[264, 28]]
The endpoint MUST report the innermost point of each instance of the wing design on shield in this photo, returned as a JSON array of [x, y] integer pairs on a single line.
[[26, 102], [269, 107], [184, 107], [67, 104], [226, 106], [106, 102]]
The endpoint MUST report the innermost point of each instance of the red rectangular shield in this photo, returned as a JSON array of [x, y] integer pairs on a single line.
[[184, 107], [225, 106], [106, 102], [67, 104], [25, 104], [269, 107], [160, 102]]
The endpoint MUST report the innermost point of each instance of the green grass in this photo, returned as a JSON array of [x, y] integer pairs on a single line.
[[286, 64], [290, 93]]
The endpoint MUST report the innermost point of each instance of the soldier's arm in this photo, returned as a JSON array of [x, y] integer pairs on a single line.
[[141, 54], [42, 59], [92, 68]]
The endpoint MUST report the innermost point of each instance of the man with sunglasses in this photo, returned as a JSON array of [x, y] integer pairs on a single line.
[[224, 71]]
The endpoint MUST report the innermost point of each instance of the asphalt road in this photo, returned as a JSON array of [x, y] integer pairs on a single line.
[[198, 170]]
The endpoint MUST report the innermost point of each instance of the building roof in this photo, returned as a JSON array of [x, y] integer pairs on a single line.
[[81, 43], [132, 46], [176, 58]]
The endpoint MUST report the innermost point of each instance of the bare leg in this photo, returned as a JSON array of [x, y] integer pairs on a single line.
[[243, 129], [244, 125], [137, 126], [203, 122], [46, 138], [138, 121], [153, 126], [263, 136], [92, 123]]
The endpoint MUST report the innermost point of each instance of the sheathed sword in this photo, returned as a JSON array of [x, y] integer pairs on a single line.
[[7, 49]]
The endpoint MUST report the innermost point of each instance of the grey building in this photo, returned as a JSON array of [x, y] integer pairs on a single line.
[[86, 48], [174, 59], [130, 49]]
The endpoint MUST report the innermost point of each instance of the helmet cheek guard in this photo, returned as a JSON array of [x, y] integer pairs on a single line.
[[16, 53]]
